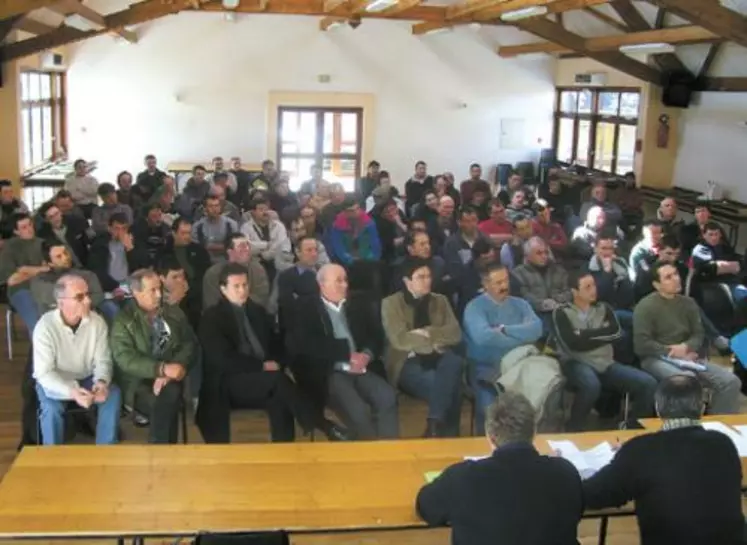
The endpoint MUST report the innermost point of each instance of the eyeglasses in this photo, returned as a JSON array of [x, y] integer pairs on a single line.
[[80, 297]]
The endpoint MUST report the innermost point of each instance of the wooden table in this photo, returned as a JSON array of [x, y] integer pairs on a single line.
[[181, 167], [148, 491]]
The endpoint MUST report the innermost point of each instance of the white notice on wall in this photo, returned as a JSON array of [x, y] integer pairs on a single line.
[[512, 134]]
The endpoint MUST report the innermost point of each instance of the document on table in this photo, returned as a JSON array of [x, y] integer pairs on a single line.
[[586, 462], [739, 439], [431, 476]]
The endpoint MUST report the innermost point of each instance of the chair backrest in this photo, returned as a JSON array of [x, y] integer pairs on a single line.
[[738, 344], [251, 538]]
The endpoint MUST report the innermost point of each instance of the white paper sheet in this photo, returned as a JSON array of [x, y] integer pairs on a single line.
[[742, 430], [475, 458], [586, 462], [739, 440]]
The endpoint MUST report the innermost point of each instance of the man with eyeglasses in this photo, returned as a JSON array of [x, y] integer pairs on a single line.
[[72, 362]]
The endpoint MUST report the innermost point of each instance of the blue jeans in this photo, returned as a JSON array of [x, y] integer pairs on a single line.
[[484, 392], [26, 308], [587, 384], [440, 386], [52, 415]]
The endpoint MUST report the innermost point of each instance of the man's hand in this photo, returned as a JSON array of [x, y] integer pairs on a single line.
[[127, 242], [438, 349], [500, 329], [358, 362], [271, 366], [548, 304], [119, 293], [678, 351], [100, 391], [422, 332], [159, 383], [174, 371], [83, 397], [691, 356]]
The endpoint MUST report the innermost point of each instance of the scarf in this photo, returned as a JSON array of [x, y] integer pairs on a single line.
[[421, 319], [678, 423]]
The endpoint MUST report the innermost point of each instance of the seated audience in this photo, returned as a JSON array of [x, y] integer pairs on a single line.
[[480, 201], [391, 228], [587, 329], [353, 236], [612, 212], [309, 216], [57, 257], [644, 253], [9, 205], [21, 259], [610, 273], [149, 180], [72, 362], [667, 216], [475, 182], [114, 256], [443, 225], [515, 496], [194, 193], [667, 331], [281, 199], [427, 209], [484, 254], [630, 200], [109, 205], [692, 233], [226, 208], [227, 177], [297, 231], [416, 186], [715, 260], [383, 193], [69, 230], [318, 200], [338, 202], [299, 280], [494, 324], [420, 358], [211, 231], [498, 229], [544, 227], [64, 201], [267, 178], [336, 342], [512, 252], [448, 188], [241, 371], [540, 281], [151, 234], [126, 193], [457, 249], [152, 346], [83, 187], [558, 198], [310, 187], [195, 261], [238, 250], [418, 245], [584, 238], [516, 183], [685, 481], [518, 206], [243, 182], [365, 186]]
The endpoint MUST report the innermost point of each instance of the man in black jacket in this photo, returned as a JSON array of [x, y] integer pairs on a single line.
[[69, 230], [335, 344], [685, 481], [715, 260], [513, 497], [241, 371], [114, 256], [195, 261], [149, 180], [151, 233]]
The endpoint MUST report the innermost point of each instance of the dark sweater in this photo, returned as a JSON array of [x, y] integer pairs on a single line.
[[415, 190], [514, 497], [686, 484]]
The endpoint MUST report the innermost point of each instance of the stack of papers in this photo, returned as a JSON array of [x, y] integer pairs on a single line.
[[588, 462], [739, 439]]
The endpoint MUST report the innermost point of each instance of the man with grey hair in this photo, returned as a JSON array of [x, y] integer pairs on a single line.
[[72, 362], [541, 282], [514, 496], [153, 347], [685, 480]]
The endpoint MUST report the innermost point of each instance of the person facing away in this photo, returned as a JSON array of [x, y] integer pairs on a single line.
[[685, 481], [72, 362], [515, 496]]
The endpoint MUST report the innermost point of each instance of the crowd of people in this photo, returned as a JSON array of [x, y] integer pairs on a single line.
[[236, 292]]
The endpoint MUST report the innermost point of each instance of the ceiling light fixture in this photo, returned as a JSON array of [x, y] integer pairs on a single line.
[[230, 4], [650, 48], [380, 5], [524, 13], [439, 30]]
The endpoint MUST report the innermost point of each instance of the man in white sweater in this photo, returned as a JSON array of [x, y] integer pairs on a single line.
[[72, 361]]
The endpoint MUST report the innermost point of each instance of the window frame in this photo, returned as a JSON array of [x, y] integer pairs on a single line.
[[318, 155], [57, 104], [594, 117]]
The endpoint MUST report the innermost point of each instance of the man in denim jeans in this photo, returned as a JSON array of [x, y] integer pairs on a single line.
[[72, 361]]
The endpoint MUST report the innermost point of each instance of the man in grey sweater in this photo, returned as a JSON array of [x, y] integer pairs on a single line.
[[668, 335], [587, 330]]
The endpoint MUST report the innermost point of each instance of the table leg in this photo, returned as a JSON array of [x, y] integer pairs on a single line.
[[603, 530]]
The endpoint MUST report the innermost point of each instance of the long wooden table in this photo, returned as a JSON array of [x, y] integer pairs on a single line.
[[148, 491]]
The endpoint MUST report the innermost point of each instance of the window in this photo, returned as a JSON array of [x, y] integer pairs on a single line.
[[596, 128], [330, 137], [42, 117]]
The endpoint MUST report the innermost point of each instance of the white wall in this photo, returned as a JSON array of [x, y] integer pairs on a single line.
[[196, 86]]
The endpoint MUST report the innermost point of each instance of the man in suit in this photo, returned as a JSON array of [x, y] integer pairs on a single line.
[[685, 481], [241, 371], [299, 280], [335, 343], [514, 496]]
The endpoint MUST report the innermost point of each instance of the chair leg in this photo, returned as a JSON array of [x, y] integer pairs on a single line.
[[183, 417], [9, 332]]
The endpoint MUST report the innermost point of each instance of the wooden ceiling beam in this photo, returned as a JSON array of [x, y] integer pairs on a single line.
[[327, 22], [6, 27], [687, 35], [709, 59], [606, 19], [9, 8], [553, 32], [712, 15], [418, 29], [32, 26], [486, 10], [68, 7], [728, 85], [135, 14], [401, 6]]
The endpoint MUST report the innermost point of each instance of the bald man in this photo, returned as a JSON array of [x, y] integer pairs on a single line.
[[336, 343]]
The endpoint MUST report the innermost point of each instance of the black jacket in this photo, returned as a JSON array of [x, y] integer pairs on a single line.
[[76, 236], [221, 341], [199, 262], [294, 285], [154, 240], [147, 183], [98, 261], [414, 192], [704, 258], [514, 497], [686, 485], [316, 350]]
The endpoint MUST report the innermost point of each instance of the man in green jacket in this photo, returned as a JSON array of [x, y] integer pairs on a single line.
[[152, 347]]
